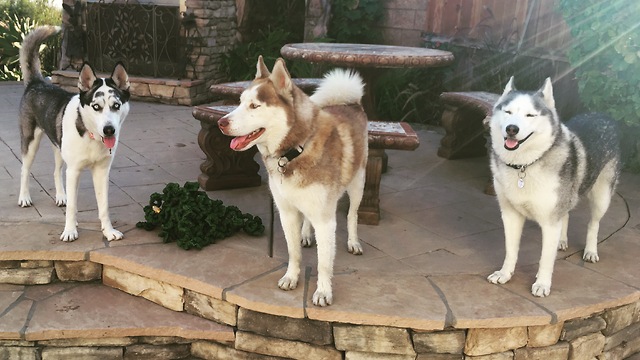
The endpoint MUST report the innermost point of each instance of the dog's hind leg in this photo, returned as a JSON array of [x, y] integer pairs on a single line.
[[599, 201], [307, 233], [563, 245], [28, 156], [100, 174], [513, 223], [550, 238], [61, 195], [355, 191]]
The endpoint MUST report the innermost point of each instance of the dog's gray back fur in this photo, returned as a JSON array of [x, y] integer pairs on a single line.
[[600, 137], [43, 104]]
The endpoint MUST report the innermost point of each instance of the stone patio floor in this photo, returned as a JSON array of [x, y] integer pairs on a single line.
[[424, 266]]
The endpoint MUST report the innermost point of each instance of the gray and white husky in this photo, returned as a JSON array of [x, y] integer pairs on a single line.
[[84, 129], [541, 167]]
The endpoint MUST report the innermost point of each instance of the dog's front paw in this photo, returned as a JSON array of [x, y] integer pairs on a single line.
[[354, 247], [25, 201], [61, 200], [288, 283], [540, 289], [499, 277], [590, 256], [322, 298], [112, 234], [69, 235]]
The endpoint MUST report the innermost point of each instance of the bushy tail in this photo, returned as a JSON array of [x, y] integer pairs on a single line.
[[339, 87], [30, 51]]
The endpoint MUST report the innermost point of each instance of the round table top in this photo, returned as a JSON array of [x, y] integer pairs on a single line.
[[367, 55]]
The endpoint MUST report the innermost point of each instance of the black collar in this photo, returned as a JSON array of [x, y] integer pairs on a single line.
[[517, 167], [288, 156], [292, 153]]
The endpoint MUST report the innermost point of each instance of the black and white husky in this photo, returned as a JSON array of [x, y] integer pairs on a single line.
[[84, 129], [541, 167]]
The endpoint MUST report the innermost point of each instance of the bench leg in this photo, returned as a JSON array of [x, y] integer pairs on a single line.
[[464, 136], [225, 168], [369, 212]]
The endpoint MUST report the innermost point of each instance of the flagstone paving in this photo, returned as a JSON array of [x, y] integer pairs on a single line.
[[424, 266]]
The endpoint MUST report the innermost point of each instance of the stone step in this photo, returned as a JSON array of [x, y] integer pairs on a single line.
[[60, 313]]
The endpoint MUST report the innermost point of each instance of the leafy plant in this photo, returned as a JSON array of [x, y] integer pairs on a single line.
[[17, 18], [41, 11], [606, 54], [189, 217], [410, 95], [240, 63], [13, 32], [356, 21]]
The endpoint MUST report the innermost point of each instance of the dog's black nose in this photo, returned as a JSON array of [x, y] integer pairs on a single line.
[[512, 130], [109, 130]]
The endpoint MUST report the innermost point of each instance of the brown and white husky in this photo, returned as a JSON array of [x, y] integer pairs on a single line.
[[314, 149]]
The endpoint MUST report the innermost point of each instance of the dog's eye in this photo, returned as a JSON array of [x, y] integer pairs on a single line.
[[95, 107], [531, 115], [116, 106], [508, 112], [253, 106]]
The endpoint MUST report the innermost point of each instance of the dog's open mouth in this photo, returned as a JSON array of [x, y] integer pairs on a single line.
[[241, 143], [512, 144]]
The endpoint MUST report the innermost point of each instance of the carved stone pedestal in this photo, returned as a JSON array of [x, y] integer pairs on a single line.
[[463, 119], [224, 168], [382, 135]]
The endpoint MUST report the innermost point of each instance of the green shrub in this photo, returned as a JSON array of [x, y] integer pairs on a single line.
[[410, 95], [606, 53], [17, 18], [12, 32], [356, 21]]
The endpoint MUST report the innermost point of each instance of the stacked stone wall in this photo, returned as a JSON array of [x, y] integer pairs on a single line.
[[613, 334]]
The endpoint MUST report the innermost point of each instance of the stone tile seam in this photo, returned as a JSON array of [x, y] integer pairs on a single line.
[[232, 287]]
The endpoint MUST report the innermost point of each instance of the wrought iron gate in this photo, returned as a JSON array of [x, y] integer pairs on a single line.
[[146, 37]]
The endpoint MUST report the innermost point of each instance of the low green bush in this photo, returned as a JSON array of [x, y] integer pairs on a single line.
[[606, 54]]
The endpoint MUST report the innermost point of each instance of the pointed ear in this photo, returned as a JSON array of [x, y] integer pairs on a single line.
[[261, 69], [280, 76], [509, 88], [120, 77], [546, 91], [86, 77]]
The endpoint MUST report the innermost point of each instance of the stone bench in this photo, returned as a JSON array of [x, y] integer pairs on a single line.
[[228, 169], [464, 120]]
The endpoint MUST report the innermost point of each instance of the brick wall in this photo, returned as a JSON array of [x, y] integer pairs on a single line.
[[405, 20]]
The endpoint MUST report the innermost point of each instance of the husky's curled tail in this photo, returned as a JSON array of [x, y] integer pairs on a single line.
[[339, 87], [30, 54]]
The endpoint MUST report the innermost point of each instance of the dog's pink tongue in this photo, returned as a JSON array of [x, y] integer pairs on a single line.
[[238, 143], [109, 141], [510, 143]]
